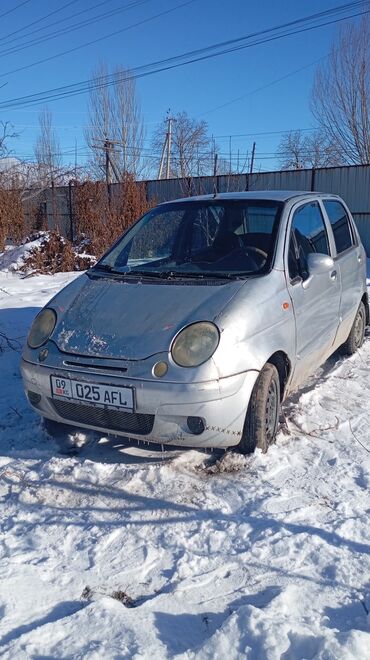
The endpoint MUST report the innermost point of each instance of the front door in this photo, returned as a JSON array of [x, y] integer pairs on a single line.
[[315, 298]]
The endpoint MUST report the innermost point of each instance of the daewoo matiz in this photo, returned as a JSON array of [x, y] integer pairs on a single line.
[[201, 318]]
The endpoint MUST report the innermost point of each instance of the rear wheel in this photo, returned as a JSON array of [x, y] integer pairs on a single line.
[[262, 416], [357, 334]]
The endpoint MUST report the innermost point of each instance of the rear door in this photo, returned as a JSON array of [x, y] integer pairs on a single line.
[[349, 263], [316, 298]]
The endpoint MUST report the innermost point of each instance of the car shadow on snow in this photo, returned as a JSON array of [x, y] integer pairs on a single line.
[[101, 447]]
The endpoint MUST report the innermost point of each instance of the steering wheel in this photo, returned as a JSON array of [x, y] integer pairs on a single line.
[[256, 254]]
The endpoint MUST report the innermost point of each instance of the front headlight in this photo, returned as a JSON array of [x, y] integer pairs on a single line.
[[195, 344], [41, 328]]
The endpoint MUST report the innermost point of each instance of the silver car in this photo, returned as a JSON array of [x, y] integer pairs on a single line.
[[201, 318]]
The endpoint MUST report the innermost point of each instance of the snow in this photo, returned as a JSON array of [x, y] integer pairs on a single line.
[[13, 258], [223, 556]]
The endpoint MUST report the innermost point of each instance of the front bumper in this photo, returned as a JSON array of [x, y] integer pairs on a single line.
[[162, 408]]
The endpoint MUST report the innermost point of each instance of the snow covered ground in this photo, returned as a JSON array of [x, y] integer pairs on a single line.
[[219, 556]]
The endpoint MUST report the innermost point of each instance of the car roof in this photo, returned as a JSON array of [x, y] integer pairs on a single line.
[[269, 195]]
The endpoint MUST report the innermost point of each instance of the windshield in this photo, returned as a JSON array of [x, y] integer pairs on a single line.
[[199, 238]]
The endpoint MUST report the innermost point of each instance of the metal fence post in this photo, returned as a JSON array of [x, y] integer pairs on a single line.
[[313, 176], [71, 228]]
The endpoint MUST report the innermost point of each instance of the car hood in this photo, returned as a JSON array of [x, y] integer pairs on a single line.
[[113, 318]]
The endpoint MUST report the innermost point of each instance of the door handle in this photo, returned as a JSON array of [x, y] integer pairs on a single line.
[[333, 275]]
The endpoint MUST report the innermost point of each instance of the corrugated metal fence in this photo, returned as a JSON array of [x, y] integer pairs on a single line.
[[352, 183]]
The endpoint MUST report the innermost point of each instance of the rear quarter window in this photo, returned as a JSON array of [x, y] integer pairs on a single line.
[[340, 225]]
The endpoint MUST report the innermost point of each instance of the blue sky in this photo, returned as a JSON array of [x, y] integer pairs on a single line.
[[199, 88]]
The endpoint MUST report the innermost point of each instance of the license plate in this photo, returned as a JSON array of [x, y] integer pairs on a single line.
[[93, 393]]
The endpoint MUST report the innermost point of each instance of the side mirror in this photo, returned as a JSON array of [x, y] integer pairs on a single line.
[[318, 264]]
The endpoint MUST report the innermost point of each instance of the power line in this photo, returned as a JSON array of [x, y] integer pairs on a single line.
[[314, 16], [290, 130], [263, 155], [94, 41], [217, 137], [71, 28], [266, 86], [56, 11], [179, 60], [14, 8]]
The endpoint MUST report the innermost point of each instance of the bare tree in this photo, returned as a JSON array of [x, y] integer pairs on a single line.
[[129, 124], [297, 151], [115, 120], [47, 150], [320, 152], [192, 149], [100, 126], [14, 174], [6, 133], [341, 94], [291, 151]]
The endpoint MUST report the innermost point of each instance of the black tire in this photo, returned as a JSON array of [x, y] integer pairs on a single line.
[[357, 334], [262, 418]]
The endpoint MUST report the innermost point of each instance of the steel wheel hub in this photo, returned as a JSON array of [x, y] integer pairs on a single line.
[[271, 410], [359, 327]]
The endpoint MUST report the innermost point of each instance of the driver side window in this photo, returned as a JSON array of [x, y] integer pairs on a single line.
[[308, 234]]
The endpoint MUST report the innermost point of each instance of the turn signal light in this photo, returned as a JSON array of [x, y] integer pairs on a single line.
[[160, 369]]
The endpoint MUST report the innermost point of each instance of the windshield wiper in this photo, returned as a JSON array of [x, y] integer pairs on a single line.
[[169, 274], [209, 275], [176, 274], [148, 273], [105, 267]]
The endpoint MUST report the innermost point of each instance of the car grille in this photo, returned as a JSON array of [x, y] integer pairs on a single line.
[[113, 420]]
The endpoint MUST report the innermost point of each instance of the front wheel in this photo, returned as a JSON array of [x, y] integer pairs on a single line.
[[357, 334], [262, 416]]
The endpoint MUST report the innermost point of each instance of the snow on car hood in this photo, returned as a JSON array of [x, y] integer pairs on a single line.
[[105, 317]]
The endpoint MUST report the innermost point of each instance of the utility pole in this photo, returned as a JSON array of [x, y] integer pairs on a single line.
[[110, 165], [114, 167], [215, 165], [107, 147], [162, 158], [166, 150], [252, 158], [169, 138], [75, 158], [215, 191]]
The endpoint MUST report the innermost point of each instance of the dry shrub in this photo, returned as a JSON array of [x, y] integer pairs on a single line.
[[103, 215], [11, 217], [55, 254]]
